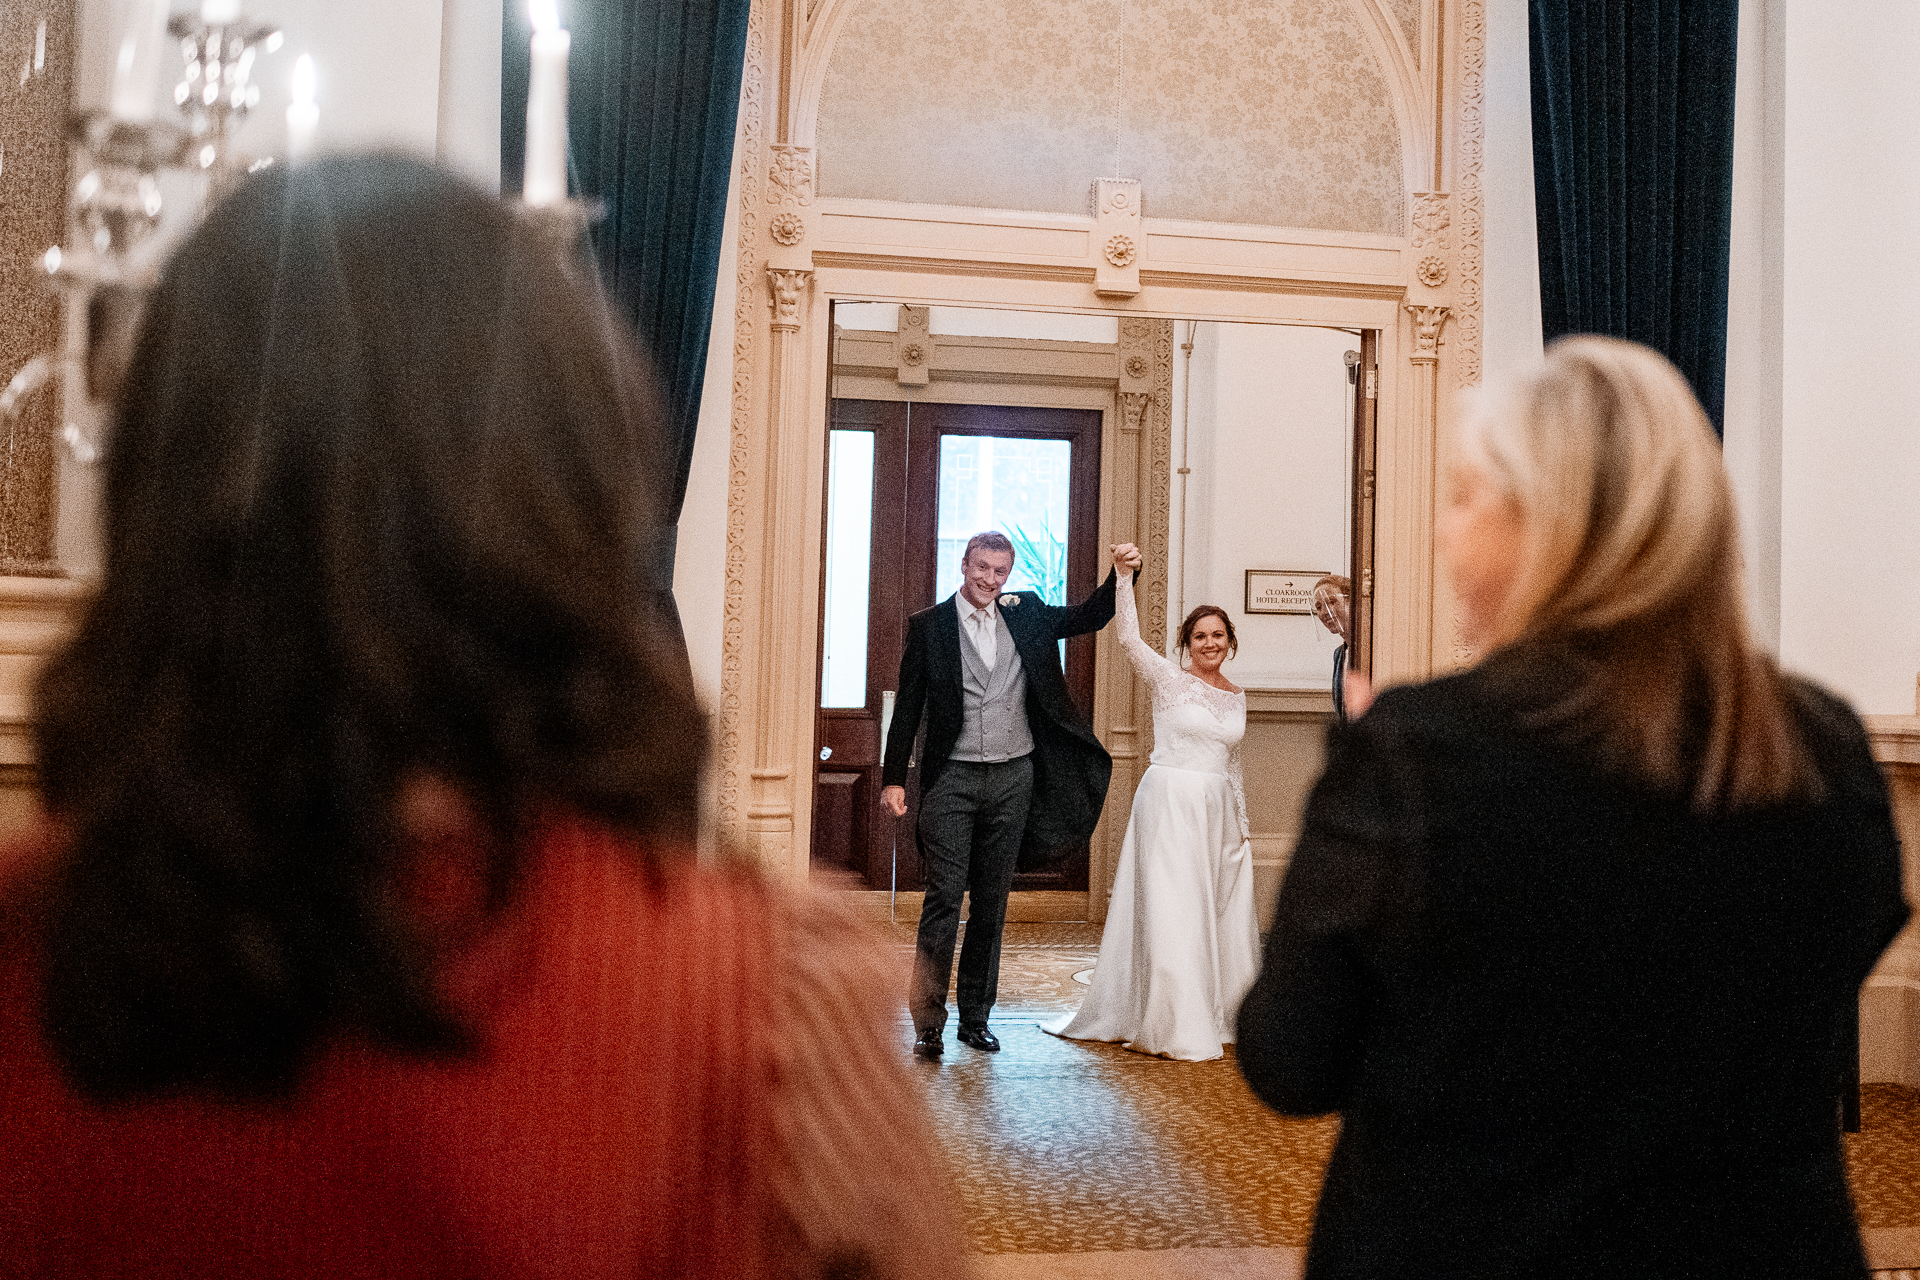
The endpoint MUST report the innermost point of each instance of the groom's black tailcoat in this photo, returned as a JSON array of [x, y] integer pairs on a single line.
[[1070, 767]]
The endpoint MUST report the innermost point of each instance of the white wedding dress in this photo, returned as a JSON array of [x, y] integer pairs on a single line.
[[1181, 945]]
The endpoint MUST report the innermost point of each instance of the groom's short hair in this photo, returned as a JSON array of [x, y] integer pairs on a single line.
[[991, 540]]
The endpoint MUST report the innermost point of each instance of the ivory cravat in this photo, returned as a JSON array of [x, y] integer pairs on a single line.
[[985, 633]]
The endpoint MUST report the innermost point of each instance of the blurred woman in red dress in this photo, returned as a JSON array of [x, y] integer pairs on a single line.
[[364, 937]]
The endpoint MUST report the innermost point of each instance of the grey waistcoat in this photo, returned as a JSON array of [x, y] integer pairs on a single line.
[[993, 724]]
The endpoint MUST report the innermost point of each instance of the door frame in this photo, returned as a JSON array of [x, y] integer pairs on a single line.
[[1135, 470], [794, 249]]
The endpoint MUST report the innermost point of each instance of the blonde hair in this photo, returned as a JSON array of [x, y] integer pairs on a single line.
[[1631, 556]]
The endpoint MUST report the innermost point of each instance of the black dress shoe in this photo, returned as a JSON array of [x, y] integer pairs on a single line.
[[928, 1045], [979, 1038]]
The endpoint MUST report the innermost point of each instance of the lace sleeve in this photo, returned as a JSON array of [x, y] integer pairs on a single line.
[[1239, 790], [1152, 668]]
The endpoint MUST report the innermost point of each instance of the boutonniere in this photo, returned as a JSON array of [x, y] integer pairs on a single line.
[[1009, 600]]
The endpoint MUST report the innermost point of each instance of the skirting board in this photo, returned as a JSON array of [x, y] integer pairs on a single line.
[[1890, 1015], [1271, 852]]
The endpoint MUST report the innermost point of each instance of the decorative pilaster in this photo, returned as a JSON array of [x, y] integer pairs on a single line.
[[1117, 237], [913, 347], [1425, 359], [770, 793], [1432, 241], [731, 787], [1473, 129], [790, 201]]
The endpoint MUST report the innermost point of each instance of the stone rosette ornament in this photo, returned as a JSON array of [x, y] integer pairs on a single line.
[[1121, 251], [787, 228]]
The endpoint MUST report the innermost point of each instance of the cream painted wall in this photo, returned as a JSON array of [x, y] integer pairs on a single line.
[[1850, 434], [1755, 358], [378, 65], [1269, 451], [1822, 443], [468, 121], [700, 560], [1512, 264]]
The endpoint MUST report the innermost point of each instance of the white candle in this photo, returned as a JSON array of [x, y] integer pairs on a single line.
[[545, 181], [303, 116], [219, 13], [138, 66]]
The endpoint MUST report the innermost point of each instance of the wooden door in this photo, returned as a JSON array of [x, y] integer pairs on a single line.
[[855, 841]]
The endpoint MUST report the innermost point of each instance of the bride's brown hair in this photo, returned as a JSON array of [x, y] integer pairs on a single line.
[[1208, 611]]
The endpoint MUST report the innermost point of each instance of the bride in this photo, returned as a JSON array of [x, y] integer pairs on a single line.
[[1181, 946]]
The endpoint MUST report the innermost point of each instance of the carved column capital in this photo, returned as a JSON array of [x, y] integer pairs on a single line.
[[1427, 322], [786, 290], [1133, 409]]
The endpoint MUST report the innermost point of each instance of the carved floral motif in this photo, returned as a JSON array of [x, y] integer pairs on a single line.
[[1120, 250], [787, 228], [1430, 221], [913, 354], [1432, 271], [1133, 408], [792, 176], [1137, 366]]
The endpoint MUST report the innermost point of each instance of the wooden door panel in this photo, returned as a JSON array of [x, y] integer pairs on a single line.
[[848, 742], [1081, 428], [851, 833], [838, 825]]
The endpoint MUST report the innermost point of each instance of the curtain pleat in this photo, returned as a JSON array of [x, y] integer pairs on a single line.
[[1633, 175], [653, 92]]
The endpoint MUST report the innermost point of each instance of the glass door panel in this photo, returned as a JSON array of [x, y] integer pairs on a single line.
[[1018, 486], [843, 676]]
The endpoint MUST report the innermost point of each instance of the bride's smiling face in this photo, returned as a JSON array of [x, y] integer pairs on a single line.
[[1208, 645]]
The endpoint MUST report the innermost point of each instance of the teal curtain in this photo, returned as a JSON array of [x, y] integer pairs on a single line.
[[1633, 175], [653, 91]]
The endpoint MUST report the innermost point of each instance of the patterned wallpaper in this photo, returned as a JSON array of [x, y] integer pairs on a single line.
[[1408, 11], [1271, 112], [36, 73]]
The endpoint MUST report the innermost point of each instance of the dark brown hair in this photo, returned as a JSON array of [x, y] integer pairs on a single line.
[[382, 481], [1208, 611]]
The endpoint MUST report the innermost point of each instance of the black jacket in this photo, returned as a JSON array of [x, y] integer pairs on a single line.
[[1574, 1028], [1070, 767]]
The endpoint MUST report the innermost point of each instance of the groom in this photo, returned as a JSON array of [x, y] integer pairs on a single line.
[[1009, 774]]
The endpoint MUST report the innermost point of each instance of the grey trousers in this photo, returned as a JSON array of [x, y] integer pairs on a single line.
[[971, 821]]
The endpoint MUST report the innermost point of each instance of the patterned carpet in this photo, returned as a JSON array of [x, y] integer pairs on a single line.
[[1063, 1147]]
